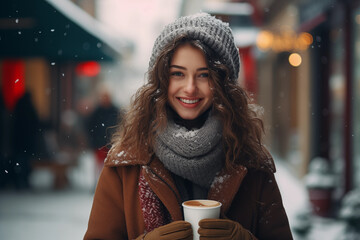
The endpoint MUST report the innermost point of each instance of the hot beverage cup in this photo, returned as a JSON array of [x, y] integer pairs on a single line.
[[196, 210]]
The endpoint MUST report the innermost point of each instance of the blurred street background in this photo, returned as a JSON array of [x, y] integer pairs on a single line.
[[68, 69]]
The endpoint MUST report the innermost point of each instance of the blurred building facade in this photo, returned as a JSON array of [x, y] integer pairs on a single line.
[[312, 108]]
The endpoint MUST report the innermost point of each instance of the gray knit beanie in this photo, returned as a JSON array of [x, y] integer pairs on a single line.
[[213, 32]]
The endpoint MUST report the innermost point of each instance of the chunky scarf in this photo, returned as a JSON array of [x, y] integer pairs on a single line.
[[195, 154]]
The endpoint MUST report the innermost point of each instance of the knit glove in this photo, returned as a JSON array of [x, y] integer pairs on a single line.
[[223, 229], [178, 230]]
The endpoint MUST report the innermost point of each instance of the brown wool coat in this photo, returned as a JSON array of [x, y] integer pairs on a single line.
[[250, 197]]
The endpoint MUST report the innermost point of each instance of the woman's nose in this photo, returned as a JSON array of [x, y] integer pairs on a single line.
[[190, 87]]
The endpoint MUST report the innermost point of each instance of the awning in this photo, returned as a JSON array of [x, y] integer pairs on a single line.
[[55, 29]]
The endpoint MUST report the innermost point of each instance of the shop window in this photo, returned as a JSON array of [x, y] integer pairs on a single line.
[[355, 134]]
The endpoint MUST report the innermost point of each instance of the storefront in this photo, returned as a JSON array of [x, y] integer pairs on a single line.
[[43, 47], [335, 78], [313, 110], [283, 87]]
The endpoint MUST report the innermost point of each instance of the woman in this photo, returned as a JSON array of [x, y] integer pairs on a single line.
[[190, 134]]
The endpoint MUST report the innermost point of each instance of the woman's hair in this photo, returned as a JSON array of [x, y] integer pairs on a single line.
[[242, 128]]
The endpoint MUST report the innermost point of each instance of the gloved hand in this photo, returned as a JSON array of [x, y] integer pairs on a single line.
[[173, 231], [222, 229]]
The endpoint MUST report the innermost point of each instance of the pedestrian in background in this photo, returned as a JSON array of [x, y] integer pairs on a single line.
[[5, 143], [101, 125], [25, 125], [190, 134]]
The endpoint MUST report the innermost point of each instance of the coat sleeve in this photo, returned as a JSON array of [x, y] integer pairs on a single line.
[[272, 219], [107, 219]]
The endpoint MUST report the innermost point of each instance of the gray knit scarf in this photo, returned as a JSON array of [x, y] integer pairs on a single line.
[[195, 154]]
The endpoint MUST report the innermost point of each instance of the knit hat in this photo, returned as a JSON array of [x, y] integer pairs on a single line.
[[202, 26]]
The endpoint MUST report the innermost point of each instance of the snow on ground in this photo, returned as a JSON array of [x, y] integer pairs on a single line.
[[44, 215], [295, 199], [292, 191]]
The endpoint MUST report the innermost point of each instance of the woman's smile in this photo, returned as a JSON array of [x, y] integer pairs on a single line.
[[189, 102]]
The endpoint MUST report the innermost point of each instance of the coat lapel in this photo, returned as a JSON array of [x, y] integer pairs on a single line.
[[163, 186], [225, 186], [159, 179]]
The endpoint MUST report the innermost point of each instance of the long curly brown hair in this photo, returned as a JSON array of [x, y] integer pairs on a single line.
[[242, 128]]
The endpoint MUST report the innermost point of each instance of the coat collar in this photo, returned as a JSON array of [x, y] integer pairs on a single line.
[[122, 158]]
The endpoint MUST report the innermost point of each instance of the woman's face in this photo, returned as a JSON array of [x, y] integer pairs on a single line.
[[189, 92]]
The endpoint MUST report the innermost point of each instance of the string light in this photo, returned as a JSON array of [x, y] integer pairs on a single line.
[[295, 59]]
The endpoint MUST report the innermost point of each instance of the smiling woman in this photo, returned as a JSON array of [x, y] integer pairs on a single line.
[[190, 134]]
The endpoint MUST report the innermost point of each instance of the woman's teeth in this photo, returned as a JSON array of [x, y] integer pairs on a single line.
[[188, 101]]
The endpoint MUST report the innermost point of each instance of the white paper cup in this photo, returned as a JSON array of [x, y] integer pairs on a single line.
[[196, 210]]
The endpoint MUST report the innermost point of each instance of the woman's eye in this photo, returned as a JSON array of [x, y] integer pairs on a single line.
[[204, 75], [176, 74]]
